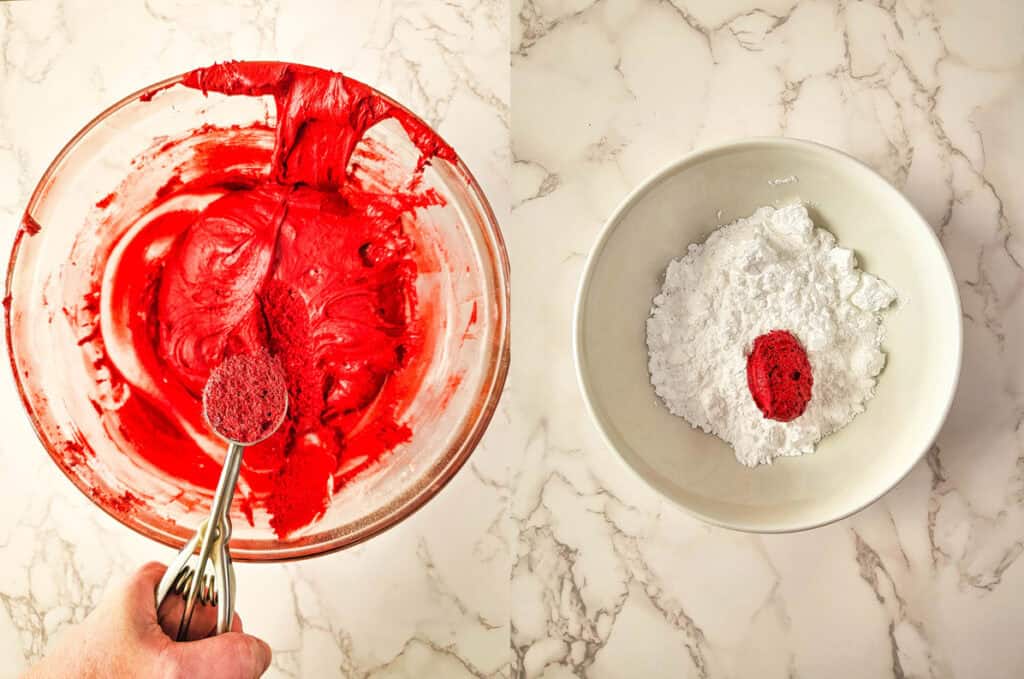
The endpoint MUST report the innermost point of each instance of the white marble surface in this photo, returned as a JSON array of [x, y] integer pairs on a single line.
[[429, 598], [610, 582]]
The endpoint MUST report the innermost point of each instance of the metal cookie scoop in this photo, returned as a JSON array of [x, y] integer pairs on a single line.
[[245, 401]]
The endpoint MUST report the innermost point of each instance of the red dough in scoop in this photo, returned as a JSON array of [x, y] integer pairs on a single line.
[[779, 376], [245, 398]]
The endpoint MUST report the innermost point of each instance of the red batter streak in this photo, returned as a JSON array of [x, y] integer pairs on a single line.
[[245, 398], [293, 259], [779, 376]]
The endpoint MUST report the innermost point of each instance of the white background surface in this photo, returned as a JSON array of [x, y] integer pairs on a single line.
[[606, 580]]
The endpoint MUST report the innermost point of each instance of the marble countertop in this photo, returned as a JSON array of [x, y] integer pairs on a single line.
[[608, 581], [543, 558]]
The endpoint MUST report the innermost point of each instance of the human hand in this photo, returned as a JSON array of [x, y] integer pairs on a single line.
[[123, 637]]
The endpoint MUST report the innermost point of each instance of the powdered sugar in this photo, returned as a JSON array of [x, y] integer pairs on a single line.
[[773, 270]]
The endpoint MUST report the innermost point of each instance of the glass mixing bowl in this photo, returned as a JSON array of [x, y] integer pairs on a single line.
[[463, 373]]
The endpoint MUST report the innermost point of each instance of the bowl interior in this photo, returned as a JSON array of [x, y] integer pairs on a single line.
[[682, 205], [462, 285]]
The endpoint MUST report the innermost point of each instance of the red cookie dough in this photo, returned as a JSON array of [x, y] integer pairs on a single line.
[[276, 241], [245, 398], [779, 376]]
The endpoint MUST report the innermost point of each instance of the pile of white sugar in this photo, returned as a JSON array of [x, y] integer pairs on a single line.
[[771, 271]]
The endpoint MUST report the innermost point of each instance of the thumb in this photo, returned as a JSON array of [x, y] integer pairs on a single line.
[[139, 592], [232, 655]]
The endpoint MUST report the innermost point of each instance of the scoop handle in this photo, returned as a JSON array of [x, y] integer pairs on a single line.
[[212, 539]]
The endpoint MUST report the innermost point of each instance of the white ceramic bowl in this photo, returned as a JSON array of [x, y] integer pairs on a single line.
[[680, 205]]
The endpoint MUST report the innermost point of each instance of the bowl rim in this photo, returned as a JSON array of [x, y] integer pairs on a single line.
[[492, 386], [609, 227]]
